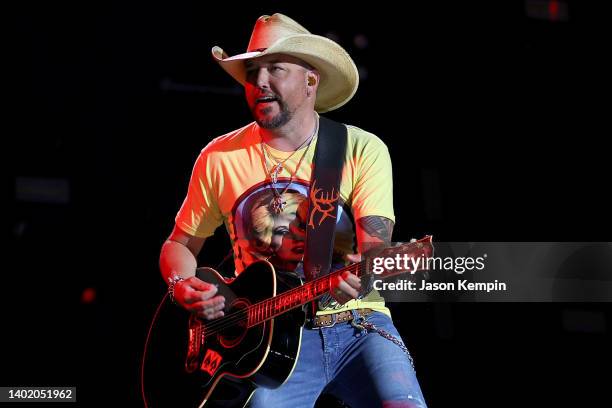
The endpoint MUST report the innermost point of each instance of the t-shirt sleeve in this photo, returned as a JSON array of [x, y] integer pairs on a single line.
[[200, 215], [373, 190]]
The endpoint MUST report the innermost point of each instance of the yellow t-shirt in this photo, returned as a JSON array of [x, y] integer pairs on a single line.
[[231, 184]]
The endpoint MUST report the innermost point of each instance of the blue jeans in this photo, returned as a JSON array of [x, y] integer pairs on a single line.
[[361, 368]]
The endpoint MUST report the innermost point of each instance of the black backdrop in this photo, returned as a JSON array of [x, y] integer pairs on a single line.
[[496, 123]]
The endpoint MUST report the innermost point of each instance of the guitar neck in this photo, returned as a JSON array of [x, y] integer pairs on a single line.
[[277, 305], [301, 295]]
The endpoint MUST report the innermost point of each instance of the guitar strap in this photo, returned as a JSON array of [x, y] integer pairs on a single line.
[[324, 197]]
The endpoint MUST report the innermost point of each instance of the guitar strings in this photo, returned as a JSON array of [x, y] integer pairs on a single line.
[[231, 319], [220, 324]]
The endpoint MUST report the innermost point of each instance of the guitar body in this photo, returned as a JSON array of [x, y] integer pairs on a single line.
[[189, 362]]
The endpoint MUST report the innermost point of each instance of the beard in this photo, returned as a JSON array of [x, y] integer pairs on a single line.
[[278, 120]]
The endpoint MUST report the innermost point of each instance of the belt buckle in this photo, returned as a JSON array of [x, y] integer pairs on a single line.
[[331, 324]]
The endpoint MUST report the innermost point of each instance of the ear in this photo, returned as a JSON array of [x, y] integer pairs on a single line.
[[312, 79]]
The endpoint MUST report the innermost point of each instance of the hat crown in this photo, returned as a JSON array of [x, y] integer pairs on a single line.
[[270, 29]]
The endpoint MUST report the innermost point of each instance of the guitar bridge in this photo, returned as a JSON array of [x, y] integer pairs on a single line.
[[195, 342]]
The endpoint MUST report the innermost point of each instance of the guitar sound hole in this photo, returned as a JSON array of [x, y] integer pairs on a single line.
[[236, 328]]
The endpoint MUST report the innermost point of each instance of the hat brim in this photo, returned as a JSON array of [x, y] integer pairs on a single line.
[[339, 77]]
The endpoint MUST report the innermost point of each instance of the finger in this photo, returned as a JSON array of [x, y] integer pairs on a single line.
[[192, 296], [215, 315], [216, 302], [340, 297], [199, 284], [219, 307], [346, 288], [352, 280], [208, 311], [353, 257], [209, 314]]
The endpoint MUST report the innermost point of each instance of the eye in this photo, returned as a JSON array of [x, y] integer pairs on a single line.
[[282, 231]]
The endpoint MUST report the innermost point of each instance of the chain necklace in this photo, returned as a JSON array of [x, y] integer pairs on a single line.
[[277, 204], [276, 168]]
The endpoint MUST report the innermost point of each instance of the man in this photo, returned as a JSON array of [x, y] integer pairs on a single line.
[[290, 76]]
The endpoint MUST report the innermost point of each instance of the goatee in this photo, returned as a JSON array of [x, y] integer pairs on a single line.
[[281, 119]]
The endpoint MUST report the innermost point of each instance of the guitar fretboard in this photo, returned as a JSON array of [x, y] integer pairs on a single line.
[[275, 306]]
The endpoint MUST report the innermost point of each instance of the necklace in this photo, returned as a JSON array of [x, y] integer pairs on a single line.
[[278, 204], [278, 166]]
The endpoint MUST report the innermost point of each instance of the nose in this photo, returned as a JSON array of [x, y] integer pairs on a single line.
[[276, 242], [261, 79]]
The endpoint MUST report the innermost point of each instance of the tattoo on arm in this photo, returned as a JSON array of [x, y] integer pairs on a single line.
[[375, 233], [377, 227]]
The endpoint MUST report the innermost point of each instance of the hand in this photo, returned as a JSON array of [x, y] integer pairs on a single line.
[[353, 258], [345, 287], [197, 296]]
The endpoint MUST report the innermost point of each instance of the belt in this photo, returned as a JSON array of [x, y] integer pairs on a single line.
[[328, 320]]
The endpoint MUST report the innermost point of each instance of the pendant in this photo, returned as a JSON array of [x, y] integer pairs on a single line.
[[278, 205], [274, 174]]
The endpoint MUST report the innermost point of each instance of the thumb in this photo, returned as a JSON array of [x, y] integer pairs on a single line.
[[199, 284]]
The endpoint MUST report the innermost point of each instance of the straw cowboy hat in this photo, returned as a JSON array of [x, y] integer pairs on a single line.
[[278, 34]]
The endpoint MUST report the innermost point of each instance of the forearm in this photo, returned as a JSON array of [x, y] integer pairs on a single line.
[[373, 232], [176, 258]]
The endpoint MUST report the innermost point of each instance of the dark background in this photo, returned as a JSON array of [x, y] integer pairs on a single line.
[[495, 116]]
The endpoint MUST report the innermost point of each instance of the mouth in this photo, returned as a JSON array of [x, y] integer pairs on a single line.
[[266, 99]]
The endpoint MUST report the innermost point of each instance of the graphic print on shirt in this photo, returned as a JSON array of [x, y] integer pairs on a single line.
[[261, 233]]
